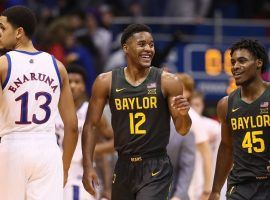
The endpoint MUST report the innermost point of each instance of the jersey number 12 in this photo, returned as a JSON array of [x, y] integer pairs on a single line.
[[135, 127]]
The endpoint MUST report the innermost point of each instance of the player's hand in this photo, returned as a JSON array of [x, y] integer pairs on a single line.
[[214, 196], [90, 181], [181, 104]]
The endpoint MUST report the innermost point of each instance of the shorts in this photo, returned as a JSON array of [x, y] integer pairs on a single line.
[[75, 191], [31, 167], [138, 177], [250, 190]]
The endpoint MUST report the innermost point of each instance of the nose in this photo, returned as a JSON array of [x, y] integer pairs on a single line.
[[235, 66], [147, 48], [72, 85]]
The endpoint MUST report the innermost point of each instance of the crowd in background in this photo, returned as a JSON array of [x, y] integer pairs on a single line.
[[80, 32]]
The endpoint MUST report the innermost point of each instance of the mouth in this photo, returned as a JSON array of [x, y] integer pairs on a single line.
[[237, 75], [146, 57]]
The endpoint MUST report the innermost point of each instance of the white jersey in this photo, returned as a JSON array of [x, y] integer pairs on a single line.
[[31, 93], [76, 170]]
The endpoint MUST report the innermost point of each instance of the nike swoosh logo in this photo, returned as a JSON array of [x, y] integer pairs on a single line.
[[155, 173], [233, 110], [119, 90]]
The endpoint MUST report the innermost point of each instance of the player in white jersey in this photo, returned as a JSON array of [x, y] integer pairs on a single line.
[[74, 189], [33, 85]]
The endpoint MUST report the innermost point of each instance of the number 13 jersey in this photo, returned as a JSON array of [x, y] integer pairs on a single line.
[[31, 93], [140, 114]]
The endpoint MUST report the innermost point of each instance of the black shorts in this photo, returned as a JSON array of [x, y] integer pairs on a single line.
[[250, 190], [139, 178]]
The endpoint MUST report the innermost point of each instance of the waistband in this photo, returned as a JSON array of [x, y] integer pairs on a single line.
[[141, 157], [28, 136]]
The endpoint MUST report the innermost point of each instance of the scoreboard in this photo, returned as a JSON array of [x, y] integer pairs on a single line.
[[210, 66]]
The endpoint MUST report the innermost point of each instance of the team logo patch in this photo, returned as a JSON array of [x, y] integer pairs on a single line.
[[152, 91], [151, 87], [264, 107]]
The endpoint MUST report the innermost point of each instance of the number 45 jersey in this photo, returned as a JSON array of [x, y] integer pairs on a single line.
[[250, 127], [140, 114], [31, 93]]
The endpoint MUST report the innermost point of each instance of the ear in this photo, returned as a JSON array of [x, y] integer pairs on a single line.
[[125, 48], [259, 63], [20, 32]]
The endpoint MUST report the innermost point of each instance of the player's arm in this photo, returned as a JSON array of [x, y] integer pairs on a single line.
[[69, 117], [3, 73], [172, 88], [100, 91], [224, 157]]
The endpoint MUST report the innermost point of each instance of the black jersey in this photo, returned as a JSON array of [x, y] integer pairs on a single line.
[[250, 125], [140, 114]]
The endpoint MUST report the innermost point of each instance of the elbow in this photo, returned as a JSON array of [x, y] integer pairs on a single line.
[[71, 128], [184, 130]]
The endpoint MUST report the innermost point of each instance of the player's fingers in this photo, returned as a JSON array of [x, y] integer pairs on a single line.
[[176, 100], [87, 183], [181, 104]]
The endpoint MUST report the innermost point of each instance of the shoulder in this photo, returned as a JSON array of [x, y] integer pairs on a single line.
[[62, 70], [170, 84], [4, 65], [3, 61], [104, 78], [102, 83], [60, 66], [169, 77]]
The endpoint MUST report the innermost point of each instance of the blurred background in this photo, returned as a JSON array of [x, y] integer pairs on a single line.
[[190, 36]]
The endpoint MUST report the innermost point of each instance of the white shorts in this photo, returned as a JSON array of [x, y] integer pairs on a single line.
[[76, 191], [30, 167]]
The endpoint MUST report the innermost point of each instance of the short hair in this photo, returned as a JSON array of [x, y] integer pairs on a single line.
[[21, 16], [254, 47], [132, 29], [187, 80], [77, 69]]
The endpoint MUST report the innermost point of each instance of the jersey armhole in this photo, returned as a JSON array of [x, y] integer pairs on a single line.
[[8, 72], [159, 74], [57, 70], [113, 81]]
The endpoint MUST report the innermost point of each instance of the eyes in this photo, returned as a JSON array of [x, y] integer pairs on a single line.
[[240, 60], [2, 27], [144, 43]]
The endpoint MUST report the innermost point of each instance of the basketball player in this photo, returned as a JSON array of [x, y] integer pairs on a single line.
[[33, 84], [244, 115], [74, 188], [142, 99]]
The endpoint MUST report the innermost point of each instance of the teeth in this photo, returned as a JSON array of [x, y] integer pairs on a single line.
[[146, 56]]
